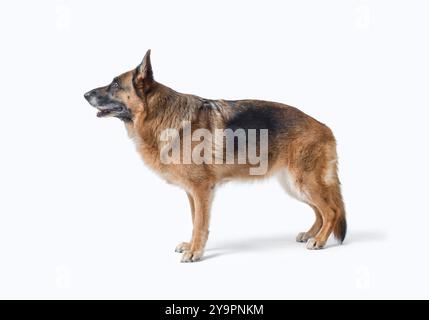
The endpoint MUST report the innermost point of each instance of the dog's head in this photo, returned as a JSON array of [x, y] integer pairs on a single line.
[[124, 97]]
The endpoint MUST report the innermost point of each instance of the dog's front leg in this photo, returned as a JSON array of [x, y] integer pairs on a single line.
[[185, 246], [202, 196]]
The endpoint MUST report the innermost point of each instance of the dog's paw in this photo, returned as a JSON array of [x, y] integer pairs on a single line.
[[302, 237], [182, 247], [315, 244], [192, 256]]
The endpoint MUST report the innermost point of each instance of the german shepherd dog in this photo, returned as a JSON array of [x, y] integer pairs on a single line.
[[301, 151]]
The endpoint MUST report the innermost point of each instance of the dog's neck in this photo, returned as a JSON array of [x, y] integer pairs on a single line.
[[164, 109]]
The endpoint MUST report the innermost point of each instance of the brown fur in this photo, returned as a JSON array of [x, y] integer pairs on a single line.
[[302, 151]]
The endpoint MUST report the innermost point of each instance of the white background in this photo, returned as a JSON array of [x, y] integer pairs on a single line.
[[82, 217]]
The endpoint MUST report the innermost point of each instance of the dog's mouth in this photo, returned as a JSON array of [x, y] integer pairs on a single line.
[[117, 110], [109, 111]]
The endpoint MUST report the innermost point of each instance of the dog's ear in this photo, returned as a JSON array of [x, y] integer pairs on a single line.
[[145, 72], [143, 76]]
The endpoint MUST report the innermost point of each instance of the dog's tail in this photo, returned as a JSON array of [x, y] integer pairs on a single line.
[[340, 226]]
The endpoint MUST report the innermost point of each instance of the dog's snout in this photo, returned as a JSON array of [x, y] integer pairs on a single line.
[[88, 95]]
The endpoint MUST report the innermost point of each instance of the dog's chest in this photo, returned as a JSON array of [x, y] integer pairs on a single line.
[[148, 153], [151, 157]]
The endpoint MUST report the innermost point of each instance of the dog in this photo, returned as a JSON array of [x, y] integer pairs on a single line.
[[299, 150]]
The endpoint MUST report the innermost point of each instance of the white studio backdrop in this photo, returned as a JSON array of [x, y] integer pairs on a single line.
[[82, 217]]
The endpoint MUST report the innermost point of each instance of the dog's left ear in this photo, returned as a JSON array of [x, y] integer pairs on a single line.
[[143, 76], [145, 72]]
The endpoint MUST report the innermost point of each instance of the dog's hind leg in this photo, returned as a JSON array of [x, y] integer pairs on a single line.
[[331, 207], [288, 181], [316, 183], [202, 195], [323, 191], [328, 220], [183, 246], [304, 236]]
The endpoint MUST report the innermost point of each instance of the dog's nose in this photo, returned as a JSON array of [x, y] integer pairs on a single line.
[[87, 95]]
